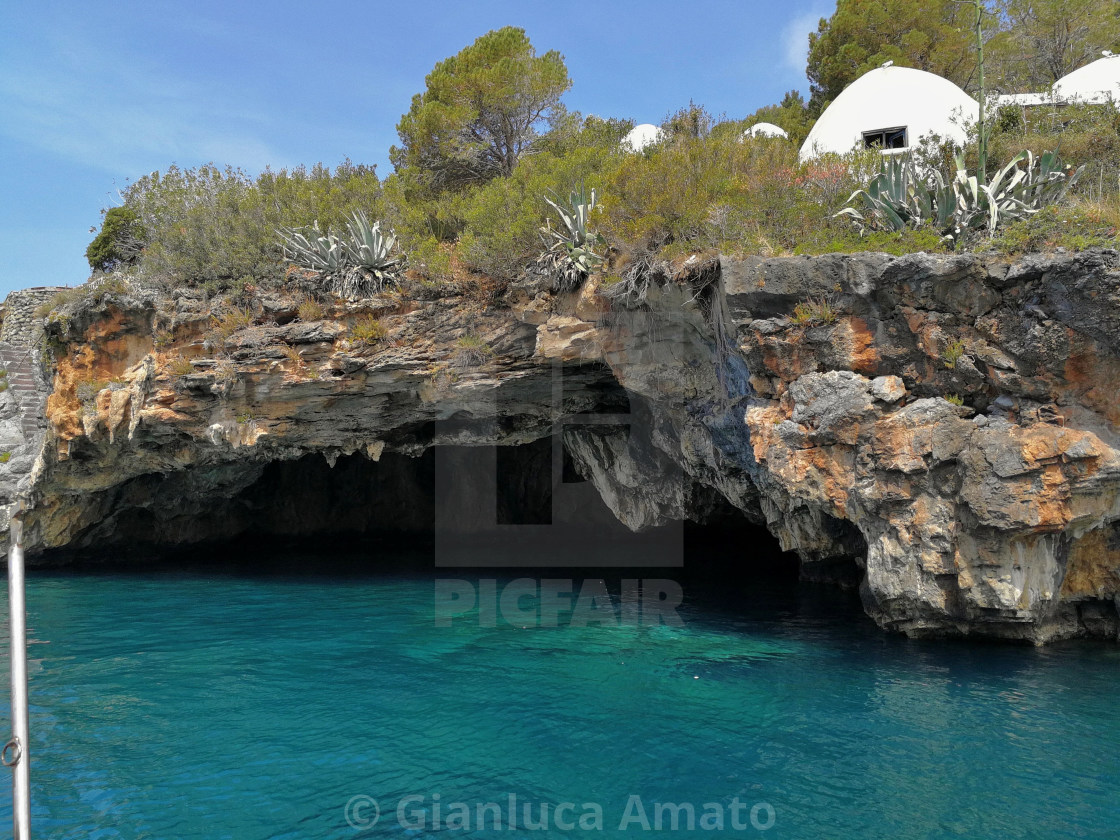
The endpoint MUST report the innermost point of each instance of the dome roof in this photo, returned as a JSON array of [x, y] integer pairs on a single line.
[[1098, 81], [763, 129], [901, 103], [641, 136]]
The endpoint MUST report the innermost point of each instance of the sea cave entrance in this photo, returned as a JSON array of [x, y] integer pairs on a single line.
[[516, 508]]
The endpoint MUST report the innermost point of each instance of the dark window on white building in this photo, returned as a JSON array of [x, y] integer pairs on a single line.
[[886, 138]]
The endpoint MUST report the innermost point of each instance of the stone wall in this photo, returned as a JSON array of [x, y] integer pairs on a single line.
[[20, 326]]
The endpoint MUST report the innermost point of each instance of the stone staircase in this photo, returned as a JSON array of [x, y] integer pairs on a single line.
[[27, 386], [24, 388]]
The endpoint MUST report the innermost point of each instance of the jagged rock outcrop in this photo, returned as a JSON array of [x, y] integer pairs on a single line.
[[943, 429], [974, 514]]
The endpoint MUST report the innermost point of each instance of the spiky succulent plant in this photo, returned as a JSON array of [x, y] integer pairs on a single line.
[[898, 196], [320, 252], [1013, 193], [571, 254], [368, 247], [357, 266]]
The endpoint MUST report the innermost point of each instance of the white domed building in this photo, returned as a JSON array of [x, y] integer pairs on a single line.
[[891, 107], [641, 136], [1096, 83], [763, 129]]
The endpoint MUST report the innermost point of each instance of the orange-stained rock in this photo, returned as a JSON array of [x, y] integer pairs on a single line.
[[1093, 568], [997, 512]]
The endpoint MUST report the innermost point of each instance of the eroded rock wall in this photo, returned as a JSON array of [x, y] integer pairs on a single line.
[[959, 412], [945, 429]]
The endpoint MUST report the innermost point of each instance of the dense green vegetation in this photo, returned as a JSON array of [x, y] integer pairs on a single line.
[[119, 242], [488, 143], [218, 228], [933, 35], [1028, 44], [481, 111]]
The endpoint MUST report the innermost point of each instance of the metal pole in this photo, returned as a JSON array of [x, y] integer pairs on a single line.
[[15, 752], [982, 166]]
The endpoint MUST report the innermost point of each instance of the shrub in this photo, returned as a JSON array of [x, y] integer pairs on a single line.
[[211, 225], [293, 355], [715, 192], [94, 291], [204, 224], [310, 310], [431, 259], [501, 221], [226, 323], [417, 215], [470, 350], [667, 195], [368, 331], [1085, 134], [225, 377], [701, 189], [88, 389], [833, 240], [1076, 227], [120, 241], [299, 196], [691, 122], [814, 311], [792, 114], [99, 288], [953, 353], [180, 366]]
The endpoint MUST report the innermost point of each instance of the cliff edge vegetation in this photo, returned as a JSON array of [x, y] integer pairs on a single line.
[[489, 141]]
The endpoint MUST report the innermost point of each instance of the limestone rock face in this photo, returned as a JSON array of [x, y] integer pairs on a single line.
[[942, 430], [953, 410]]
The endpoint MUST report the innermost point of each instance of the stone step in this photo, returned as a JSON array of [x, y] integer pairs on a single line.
[[22, 375]]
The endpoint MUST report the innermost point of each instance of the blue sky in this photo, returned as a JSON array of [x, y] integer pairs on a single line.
[[93, 95]]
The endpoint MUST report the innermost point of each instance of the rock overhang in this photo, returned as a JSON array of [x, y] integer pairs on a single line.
[[947, 421]]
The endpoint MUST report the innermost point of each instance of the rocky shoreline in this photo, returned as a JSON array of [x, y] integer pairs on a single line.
[[945, 429]]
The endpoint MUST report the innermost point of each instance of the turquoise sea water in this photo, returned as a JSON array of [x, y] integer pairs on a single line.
[[222, 705]]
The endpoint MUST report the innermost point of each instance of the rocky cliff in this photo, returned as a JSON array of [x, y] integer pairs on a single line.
[[943, 430]]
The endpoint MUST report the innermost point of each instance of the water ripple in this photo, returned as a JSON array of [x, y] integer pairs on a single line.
[[188, 706]]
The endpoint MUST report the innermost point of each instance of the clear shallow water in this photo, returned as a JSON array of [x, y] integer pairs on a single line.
[[184, 705]]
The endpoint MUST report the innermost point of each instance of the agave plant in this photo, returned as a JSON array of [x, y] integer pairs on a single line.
[[323, 253], [898, 197], [355, 267], [1013, 193], [369, 248], [1050, 182], [571, 252]]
